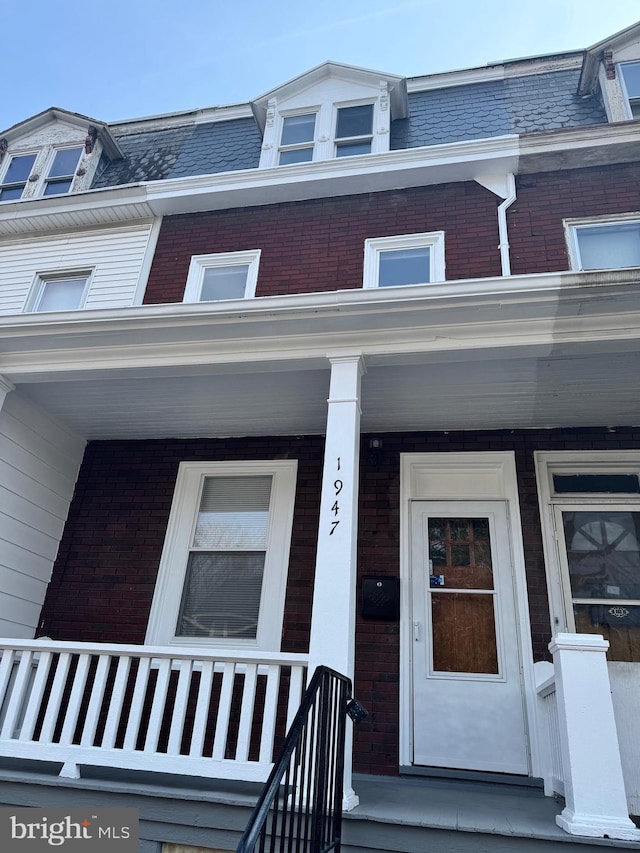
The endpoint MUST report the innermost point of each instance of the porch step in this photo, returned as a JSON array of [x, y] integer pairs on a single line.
[[415, 815], [395, 815]]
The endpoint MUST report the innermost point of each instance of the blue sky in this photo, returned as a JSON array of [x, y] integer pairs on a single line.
[[127, 58]]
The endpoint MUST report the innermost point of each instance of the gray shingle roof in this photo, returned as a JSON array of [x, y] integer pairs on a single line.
[[513, 105], [479, 110]]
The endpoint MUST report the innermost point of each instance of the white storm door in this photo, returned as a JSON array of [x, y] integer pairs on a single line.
[[468, 708]]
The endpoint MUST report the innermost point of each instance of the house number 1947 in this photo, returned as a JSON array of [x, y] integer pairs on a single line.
[[338, 485]]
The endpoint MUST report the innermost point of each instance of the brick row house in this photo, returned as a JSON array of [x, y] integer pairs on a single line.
[[349, 376]]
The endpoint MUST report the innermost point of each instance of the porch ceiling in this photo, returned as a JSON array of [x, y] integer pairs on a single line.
[[428, 392]]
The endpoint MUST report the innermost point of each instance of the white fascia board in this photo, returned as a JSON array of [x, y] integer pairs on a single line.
[[574, 139], [458, 161], [520, 311]]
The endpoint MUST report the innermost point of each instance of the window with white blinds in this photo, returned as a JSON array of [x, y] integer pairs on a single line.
[[222, 576]]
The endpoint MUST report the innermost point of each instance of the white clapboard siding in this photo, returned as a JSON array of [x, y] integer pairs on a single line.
[[39, 461], [115, 255]]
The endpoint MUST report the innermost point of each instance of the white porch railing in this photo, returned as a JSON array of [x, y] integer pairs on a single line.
[[546, 689], [583, 755], [181, 711]]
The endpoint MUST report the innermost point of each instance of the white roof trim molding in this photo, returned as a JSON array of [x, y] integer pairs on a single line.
[[56, 114], [336, 70], [594, 55]]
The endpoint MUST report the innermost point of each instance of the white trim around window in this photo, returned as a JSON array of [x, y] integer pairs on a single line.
[[630, 84], [604, 242], [404, 259], [586, 468], [188, 520], [221, 276], [59, 291]]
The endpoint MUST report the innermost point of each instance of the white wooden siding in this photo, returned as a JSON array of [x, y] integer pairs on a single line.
[[39, 461], [116, 256], [625, 693]]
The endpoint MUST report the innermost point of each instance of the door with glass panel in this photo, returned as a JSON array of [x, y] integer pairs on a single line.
[[600, 552], [467, 689]]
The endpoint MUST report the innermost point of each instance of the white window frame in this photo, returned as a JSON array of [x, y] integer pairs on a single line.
[[335, 140], [548, 463], [315, 112], [43, 278], [173, 563], [4, 168], [200, 263], [44, 179], [433, 240], [572, 226], [623, 87]]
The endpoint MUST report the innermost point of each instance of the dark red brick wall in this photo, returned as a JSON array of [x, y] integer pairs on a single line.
[[105, 574], [106, 570], [318, 245], [536, 233]]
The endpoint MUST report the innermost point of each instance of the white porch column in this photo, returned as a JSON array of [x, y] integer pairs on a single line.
[[596, 804], [5, 387], [333, 620]]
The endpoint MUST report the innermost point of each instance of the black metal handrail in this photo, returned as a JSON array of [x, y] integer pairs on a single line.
[[300, 809]]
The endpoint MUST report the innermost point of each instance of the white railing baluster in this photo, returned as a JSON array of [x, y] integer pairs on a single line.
[[17, 695], [46, 685], [36, 694], [115, 703], [75, 699], [137, 704], [295, 692], [95, 703], [179, 707], [269, 714], [55, 698], [224, 711], [246, 712], [203, 707], [158, 705]]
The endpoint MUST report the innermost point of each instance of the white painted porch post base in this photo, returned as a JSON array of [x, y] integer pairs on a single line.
[[332, 641], [596, 804]]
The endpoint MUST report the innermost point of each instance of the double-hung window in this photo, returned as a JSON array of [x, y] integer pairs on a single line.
[[297, 139], [59, 291], [223, 571], [16, 176], [405, 259], [631, 81], [61, 171], [594, 510], [354, 130], [605, 245], [226, 275]]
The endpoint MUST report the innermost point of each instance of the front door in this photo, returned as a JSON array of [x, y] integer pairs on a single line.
[[467, 689]]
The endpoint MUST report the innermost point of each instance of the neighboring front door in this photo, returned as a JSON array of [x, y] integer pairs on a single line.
[[467, 689]]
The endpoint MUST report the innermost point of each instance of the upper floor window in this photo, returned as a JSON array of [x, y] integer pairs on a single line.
[[16, 176], [631, 79], [58, 173], [297, 139], [59, 292], [227, 275], [354, 130], [405, 259], [605, 245]]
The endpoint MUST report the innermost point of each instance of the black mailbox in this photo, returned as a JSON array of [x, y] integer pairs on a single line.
[[380, 598]]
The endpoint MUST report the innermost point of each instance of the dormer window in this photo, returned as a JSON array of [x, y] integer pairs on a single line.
[[297, 139], [631, 81], [354, 130], [16, 177], [61, 171], [51, 172]]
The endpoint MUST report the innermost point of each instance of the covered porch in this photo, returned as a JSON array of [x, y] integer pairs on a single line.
[[431, 372]]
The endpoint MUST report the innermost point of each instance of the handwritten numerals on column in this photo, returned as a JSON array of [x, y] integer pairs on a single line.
[[338, 486]]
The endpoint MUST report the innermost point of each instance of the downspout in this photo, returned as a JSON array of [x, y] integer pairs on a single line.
[[503, 245]]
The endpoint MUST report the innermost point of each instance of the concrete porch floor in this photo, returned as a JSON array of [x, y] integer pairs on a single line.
[[399, 814]]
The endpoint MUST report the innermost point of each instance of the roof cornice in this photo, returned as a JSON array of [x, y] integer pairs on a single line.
[[593, 56], [56, 114]]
